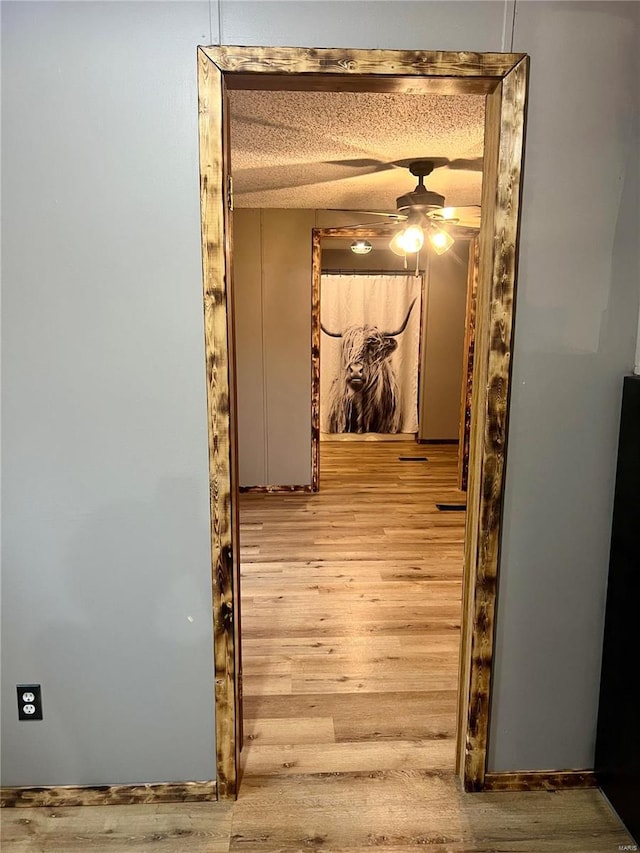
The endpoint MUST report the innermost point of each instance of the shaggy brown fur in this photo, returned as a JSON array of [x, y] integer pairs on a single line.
[[365, 396]]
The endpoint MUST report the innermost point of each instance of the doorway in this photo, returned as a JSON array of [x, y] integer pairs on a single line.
[[455, 274], [502, 78], [397, 290], [351, 597]]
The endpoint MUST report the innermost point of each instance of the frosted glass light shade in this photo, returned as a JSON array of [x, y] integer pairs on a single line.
[[395, 246], [408, 241], [411, 239], [441, 241]]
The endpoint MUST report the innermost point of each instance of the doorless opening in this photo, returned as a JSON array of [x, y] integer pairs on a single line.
[[323, 237], [502, 78]]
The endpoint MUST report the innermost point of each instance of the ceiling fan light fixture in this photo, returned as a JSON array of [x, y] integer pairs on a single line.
[[395, 246], [409, 241], [440, 241], [361, 247]]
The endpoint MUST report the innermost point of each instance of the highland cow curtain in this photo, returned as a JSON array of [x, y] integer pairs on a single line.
[[369, 345]]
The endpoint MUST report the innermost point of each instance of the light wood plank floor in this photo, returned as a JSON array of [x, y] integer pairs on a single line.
[[351, 625], [351, 615]]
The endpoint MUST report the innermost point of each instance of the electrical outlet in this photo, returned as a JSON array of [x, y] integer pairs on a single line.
[[29, 702]]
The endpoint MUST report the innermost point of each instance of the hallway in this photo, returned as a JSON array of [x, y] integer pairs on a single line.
[[351, 615]]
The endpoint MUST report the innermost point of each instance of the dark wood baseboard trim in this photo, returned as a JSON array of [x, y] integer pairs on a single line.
[[108, 795], [539, 780], [275, 490]]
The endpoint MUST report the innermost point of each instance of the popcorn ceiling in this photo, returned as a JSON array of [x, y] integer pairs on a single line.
[[284, 144]]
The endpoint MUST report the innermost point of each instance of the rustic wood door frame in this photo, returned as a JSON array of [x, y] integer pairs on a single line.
[[464, 433], [503, 79]]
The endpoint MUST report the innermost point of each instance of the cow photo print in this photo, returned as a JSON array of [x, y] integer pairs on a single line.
[[370, 346]]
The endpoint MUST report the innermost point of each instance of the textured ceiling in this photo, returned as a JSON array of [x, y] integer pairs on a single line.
[[284, 147]]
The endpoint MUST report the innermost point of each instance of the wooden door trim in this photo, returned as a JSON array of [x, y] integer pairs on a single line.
[[283, 62], [539, 780], [464, 435], [316, 274], [222, 500], [64, 796], [501, 186], [504, 79]]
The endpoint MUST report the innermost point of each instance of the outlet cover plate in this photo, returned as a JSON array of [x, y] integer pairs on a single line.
[[29, 701]]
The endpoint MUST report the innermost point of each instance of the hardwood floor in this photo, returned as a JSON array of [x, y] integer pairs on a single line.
[[350, 625], [351, 615]]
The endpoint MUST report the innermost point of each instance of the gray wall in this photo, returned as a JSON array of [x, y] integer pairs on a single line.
[[272, 280], [105, 499], [344, 259], [250, 379], [575, 332], [443, 343], [105, 489]]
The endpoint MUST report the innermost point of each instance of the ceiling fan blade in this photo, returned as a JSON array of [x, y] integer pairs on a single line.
[[372, 225], [395, 217], [470, 211], [473, 164], [407, 162], [469, 216]]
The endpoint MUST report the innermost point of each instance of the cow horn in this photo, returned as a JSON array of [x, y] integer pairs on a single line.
[[331, 334], [404, 325]]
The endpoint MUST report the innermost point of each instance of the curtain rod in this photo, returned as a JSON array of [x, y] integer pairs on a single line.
[[370, 272]]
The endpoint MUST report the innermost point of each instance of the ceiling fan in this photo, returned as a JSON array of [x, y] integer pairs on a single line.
[[422, 210]]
